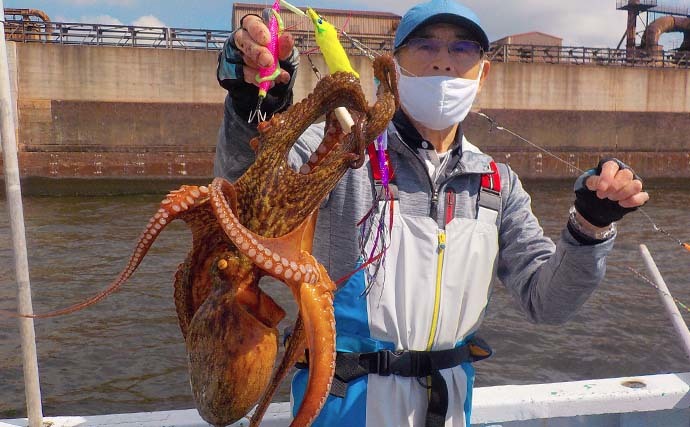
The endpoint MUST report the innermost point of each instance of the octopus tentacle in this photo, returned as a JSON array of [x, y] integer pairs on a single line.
[[387, 101], [362, 135], [176, 202], [280, 257], [361, 142], [316, 307], [332, 137]]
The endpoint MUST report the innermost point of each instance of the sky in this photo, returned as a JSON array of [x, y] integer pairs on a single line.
[[591, 23]]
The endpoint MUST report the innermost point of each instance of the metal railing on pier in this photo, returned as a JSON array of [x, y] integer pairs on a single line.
[[200, 39], [589, 56], [156, 37], [69, 33]]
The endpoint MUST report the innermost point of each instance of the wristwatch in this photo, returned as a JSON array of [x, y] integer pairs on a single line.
[[588, 230]]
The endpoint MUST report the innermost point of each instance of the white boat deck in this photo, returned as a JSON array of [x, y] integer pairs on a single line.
[[646, 401]]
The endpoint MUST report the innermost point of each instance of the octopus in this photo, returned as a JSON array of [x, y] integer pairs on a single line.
[[263, 225]]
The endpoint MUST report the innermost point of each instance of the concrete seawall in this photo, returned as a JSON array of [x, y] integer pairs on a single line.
[[126, 112]]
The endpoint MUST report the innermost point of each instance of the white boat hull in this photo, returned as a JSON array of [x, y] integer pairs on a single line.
[[645, 401]]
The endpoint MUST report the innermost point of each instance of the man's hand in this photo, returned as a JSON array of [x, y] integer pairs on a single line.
[[611, 192], [252, 40], [618, 184]]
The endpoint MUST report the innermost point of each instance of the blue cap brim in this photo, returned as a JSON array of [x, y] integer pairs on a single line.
[[450, 18]]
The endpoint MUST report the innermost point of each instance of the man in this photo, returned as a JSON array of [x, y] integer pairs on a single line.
[[406, 327]]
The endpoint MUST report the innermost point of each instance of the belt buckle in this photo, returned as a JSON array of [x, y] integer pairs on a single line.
[[386, 362], [383, 366]]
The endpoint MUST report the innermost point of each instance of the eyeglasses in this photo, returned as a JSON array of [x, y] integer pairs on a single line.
[[465, 52]]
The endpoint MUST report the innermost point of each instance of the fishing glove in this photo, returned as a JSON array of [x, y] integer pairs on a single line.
[[244, 95], [599, 212]]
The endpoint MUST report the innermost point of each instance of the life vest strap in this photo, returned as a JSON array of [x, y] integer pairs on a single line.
[[490, 196], [492, 181]]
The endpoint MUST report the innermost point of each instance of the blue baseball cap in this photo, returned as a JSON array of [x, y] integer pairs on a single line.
[[437, 11]]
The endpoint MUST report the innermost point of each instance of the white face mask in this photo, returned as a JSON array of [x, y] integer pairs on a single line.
[[437, 102]]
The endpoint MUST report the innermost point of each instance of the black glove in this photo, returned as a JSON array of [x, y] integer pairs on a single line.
[[599, 212], [244, 95]]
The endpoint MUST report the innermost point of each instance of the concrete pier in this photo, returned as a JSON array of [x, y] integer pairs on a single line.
[[95, 111]]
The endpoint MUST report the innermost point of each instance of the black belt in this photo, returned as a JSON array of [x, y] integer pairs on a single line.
[[409, 363]]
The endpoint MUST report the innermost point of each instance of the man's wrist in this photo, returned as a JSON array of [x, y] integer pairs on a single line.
[[591, 233]]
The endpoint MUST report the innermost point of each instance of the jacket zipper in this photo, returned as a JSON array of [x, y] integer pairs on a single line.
[[437, 291], [433, 212], [437, 299]]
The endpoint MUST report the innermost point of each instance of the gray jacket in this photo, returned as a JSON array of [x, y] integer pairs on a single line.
[[550, 281]]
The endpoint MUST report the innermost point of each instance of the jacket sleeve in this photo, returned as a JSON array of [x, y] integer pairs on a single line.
[[233, 153], [550, 281]]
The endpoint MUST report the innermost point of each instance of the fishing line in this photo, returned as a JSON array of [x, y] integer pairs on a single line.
[[659, 229], [313, 67], [649, 281], [371, 54], [655, 226], [495, 125]]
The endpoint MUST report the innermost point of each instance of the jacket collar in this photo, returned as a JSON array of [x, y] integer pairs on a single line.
[[465, 157]]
